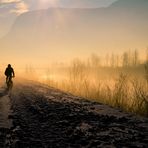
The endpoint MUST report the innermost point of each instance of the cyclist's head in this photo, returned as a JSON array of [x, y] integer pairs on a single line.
[[9, 65]]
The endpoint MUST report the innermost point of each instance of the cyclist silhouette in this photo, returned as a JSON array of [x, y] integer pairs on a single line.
[[9, 72]]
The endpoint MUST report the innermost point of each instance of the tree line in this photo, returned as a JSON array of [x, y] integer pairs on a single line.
[[126, 59]]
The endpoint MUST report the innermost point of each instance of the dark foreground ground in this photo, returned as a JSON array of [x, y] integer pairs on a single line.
[[42, 117]]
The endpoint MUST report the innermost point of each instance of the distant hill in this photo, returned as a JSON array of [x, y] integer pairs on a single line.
[[71, 31]]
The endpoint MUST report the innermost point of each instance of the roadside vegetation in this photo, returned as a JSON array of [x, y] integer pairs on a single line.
[[120, 81]]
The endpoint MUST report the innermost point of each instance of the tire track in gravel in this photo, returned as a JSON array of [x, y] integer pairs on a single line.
[[5, 122]]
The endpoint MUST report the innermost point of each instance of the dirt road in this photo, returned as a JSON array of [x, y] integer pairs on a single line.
[[36, 116]]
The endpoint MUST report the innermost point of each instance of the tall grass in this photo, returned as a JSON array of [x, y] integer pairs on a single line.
[[122, 91]]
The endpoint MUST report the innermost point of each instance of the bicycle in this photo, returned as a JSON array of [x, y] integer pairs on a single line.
[[9, 83]]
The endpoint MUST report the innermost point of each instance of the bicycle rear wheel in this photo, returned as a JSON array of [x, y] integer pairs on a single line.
[[9, 84]]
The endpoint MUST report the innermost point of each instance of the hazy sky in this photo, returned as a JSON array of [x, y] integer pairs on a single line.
[[42, 36], [21, 6], [10, 9]]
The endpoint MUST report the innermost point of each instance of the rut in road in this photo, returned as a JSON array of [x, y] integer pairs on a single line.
[[5, 122]]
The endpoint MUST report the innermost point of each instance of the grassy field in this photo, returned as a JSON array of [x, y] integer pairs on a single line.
[[122, 87], [119, 81]]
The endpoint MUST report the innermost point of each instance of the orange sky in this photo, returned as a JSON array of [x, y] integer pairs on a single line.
[[44, 37]]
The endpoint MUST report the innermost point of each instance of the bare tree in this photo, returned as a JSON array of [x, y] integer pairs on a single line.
[[135, 58], [107, 60], [125, 61], [95, 60], [117, 61], [112, 60]]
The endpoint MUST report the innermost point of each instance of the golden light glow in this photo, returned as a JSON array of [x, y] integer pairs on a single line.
[[60, 35]]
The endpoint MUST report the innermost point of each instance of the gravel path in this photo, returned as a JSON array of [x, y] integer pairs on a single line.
[[44, 117]]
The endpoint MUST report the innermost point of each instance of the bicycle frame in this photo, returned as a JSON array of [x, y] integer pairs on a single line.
[[9, 83]]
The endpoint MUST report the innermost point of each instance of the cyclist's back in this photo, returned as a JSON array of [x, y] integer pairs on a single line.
[[9, 72]]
